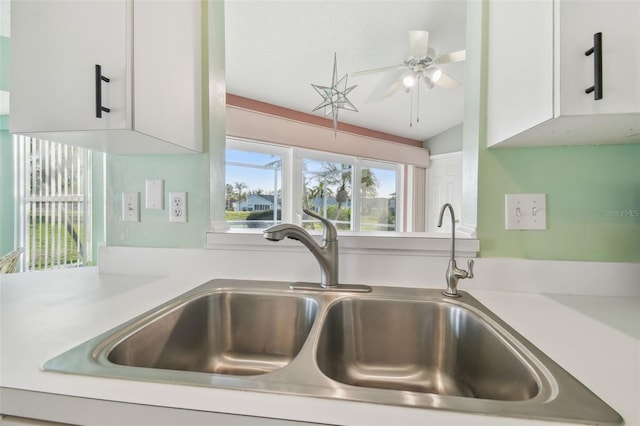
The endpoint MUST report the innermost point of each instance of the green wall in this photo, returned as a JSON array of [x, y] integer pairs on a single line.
[[593, 202], [4, 62], [593, 192], [97, 203], [188, 172], [7, 222]]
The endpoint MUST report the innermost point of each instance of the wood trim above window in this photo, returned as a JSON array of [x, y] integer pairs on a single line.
[[249, 119]]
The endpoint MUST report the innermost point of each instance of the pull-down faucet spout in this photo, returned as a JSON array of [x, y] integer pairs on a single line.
[[326, 254]]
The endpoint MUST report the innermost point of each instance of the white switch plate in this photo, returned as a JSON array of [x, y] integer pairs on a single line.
[[525, 212], [154, 194], [178, 207], [131, 207]]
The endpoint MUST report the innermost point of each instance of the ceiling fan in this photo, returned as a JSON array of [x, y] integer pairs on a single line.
[[421, 65]]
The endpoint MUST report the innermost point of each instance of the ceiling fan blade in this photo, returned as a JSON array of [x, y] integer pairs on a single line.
[[393, 89], [375, 70], [387, 87], [457, 56], [448, 82], [418, 44]]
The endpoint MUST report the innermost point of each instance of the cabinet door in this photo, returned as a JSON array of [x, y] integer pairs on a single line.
[[520, 67], [619, 23], [55, 46], [168, 72]]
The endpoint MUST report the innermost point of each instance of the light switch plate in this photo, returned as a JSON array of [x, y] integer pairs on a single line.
[[154, 194], [525, 212], [131, 207]]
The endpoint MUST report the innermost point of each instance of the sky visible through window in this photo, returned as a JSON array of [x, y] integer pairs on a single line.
[[254, 178]]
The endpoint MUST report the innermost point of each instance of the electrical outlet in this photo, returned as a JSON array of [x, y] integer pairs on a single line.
[[178, 207], [131, 207]]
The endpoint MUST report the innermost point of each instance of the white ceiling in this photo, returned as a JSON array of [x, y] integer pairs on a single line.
[[276, 49]]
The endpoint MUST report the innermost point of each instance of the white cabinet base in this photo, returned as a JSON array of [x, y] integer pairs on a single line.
[[579, 130]]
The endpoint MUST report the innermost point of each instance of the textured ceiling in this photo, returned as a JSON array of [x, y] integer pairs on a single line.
[[275, 50]]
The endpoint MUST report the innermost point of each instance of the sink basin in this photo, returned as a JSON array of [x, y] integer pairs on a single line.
[[222, 333], [396, 346], [430, 347]]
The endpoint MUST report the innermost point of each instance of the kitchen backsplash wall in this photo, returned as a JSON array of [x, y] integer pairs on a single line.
[[593, 202], [7, 219], [188, 173], [5, 45], [6, 152]]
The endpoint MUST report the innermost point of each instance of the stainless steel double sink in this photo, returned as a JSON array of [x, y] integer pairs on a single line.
[[399, 346]]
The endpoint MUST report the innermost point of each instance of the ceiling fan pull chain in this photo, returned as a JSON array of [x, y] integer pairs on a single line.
[[411, 108], [418, 102]]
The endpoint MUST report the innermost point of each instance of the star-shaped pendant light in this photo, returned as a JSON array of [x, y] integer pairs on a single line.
[[335, 97]]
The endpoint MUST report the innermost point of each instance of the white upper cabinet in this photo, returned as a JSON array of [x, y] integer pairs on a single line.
[[539, 72], [147, 96]]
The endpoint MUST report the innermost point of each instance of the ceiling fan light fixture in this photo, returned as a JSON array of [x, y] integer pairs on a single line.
[[433, 74], [429, 83], [409, 80]]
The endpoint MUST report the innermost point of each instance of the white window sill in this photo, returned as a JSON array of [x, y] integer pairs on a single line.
[[413, 244]]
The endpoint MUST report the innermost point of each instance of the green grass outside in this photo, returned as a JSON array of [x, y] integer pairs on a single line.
[[46, 232], [233, 215]]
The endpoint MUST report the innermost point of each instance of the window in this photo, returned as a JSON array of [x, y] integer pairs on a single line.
[[327, 190], [355, 194], [53, 187], [378, 197], [253, 186]]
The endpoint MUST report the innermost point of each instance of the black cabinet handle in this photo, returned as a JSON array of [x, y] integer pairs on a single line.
[[597, 66], [99, 79]]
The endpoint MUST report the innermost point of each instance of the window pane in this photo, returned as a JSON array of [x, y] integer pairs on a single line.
[[378, 200], [53, 184], [327, 188], [253, 189]]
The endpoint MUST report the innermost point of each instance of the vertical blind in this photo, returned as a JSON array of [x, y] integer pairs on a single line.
[[53, 209]]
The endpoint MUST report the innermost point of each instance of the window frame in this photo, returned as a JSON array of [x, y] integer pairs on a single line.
[[272, 149], [292, 182], [67, 193]]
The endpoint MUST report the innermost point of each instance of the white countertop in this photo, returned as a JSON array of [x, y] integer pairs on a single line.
[[597, 339]]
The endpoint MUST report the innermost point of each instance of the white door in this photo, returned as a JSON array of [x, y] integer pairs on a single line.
[[445, 186]]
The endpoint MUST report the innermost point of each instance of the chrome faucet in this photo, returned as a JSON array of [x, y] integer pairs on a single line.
[[326, 254], [453, 272]]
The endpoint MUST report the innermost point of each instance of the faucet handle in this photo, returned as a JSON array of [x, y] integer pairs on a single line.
[[470, 272], [329, 231]]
